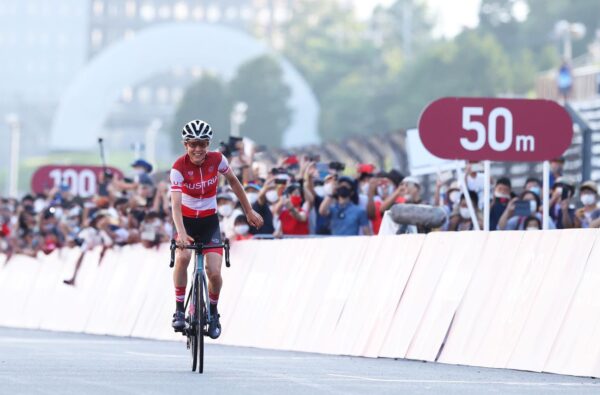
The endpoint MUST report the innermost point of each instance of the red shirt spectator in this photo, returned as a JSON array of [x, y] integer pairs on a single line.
[[290, 225], [376, 222]]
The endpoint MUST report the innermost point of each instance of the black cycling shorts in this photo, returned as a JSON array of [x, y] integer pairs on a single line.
[[204, 230]]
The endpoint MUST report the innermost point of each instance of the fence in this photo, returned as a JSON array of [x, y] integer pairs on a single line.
[[519, 300]]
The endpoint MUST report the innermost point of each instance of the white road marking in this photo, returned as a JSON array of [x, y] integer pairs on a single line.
[[224, 357], [476, 382], [146, 354], [14, 340]]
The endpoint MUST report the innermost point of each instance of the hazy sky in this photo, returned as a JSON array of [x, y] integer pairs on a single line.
[[451, 16]]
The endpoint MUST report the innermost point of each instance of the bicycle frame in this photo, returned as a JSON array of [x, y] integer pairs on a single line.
[[199, 271], [199, 275]]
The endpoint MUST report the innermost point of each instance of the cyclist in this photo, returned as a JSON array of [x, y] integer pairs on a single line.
[[194, 180]]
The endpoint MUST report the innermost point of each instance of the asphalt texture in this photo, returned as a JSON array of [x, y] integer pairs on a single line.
[[38, 362]]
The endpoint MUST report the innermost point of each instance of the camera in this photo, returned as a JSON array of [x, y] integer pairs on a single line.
[[231, 147], [278, 170], [337, 166]]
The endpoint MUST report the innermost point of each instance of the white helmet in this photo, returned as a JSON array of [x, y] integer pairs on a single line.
[[196, 130]]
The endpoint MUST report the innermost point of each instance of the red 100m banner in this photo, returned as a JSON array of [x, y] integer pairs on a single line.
[[81, 180], [507, 130]]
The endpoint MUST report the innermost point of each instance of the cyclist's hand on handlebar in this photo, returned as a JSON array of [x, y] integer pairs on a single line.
[[184, 239], [254, 219]]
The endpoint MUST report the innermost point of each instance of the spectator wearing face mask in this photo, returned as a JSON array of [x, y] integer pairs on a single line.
[[460, 219], [560, 210], [412, 190], [502, 196], [381, 187], [347, 217], [474, 179], [320, 190], [588, 216], [512, 220], [241, 229], [259, 199], [227, 214], [533, 223], [534, 185], [448, 199], [292, 215], [365, 173]]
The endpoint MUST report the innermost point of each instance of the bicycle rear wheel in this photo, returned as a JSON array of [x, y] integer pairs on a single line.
[[201, 314], [193, 327]]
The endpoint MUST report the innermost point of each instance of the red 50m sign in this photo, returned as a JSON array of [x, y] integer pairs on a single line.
[[509, 130]]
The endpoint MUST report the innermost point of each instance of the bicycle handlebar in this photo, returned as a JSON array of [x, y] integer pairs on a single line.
[[199, 247]]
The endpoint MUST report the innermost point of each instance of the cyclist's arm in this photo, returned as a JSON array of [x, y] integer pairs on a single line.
[[253, 218], [237, 188], [177, 216]]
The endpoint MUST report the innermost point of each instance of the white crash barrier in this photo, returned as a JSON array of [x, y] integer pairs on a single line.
[[518, 300]]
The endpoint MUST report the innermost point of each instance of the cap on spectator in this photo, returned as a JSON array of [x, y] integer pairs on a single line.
[[347, 180], [291, 160], [412, 180], [252, 186], [365, 168], [589, 185], [560, 159], [563, 180], [224, 196], [142, 163], [395, 176]]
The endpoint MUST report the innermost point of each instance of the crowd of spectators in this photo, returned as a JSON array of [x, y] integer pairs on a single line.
[[298, 196]]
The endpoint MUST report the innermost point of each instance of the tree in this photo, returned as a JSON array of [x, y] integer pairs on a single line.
[[470, 65], [205, 99], [259, 83]]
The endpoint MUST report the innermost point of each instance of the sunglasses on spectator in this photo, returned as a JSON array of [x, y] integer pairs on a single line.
[[196, 144]]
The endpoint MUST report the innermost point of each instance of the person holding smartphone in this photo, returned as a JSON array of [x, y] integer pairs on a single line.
[[526, 205], [561, 211]]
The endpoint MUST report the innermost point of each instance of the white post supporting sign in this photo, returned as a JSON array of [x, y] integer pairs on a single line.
[[545, 195], [486, 195]]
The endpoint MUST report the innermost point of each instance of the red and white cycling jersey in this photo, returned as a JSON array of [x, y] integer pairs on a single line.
[[198, 184]]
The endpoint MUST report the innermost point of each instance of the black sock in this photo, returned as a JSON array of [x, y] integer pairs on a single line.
[[179, 306], [213, 309]]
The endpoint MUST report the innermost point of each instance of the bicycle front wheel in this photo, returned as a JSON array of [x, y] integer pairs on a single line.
[[201, 314], [193, 326]]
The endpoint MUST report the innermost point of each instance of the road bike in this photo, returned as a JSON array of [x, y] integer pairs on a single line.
[[198, 315]]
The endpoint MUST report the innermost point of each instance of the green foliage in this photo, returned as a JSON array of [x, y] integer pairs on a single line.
[[378, 75], [259, 83], [471, 65]]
